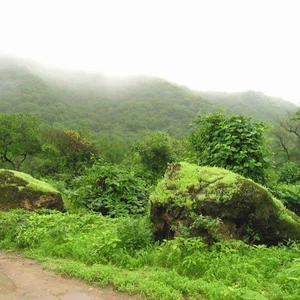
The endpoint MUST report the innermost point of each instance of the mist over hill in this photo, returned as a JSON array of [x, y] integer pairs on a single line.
[[123, 106]]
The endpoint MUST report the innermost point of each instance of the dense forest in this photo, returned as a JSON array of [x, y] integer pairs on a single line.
[[122, 106], [105, 143]]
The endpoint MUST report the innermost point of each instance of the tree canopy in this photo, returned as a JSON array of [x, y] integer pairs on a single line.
[[19, 138]]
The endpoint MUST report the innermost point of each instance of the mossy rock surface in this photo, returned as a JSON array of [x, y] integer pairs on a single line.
[[242, 207], [20, 190]]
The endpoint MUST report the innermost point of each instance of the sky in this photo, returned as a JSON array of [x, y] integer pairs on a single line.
[[215, 45]]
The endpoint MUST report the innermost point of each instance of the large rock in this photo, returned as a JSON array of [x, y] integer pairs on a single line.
[[20, 190], [218, 204]]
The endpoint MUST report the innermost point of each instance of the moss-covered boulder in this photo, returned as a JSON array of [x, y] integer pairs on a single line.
[[218, 204], [20, 190]]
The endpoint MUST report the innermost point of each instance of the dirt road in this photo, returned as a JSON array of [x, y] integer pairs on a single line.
[[24, 279]]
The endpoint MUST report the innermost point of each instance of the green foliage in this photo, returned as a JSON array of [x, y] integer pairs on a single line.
[[286, 138], [289, 195], [114, 149], [100, 250], [157, 150], [134, 233], [19, 138], [90, 238], [289, 279], [235, 143], [9, 226], [66, 151], [207, 223], [187, 256], [118, 113], [250, 103], [121, 251], [289, 173], [111, 191], [122, 108]]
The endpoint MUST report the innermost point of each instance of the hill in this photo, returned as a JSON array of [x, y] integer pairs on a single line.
[[255, 104], [120, 106], [21, 91]]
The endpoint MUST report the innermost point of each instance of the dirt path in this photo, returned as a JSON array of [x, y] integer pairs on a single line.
[[22, 278]]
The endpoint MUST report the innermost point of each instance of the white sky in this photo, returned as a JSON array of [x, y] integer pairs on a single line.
[[224, 45]]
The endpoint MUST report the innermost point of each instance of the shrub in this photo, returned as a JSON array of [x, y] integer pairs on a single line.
[[288, 194], [134, 233], [111, 191], [156, 150], [289, 173], [235, 143]]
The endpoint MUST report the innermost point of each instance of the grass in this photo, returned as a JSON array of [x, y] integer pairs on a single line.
[[121, 252]]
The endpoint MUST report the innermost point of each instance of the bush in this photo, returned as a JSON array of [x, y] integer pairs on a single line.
[[233, 142], [288, 194], [156, 150], [134, 233], [289, 173], [112, 191]]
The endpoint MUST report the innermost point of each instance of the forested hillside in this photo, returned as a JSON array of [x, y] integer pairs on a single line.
[[21, 91], [250, 103], [121, 107]]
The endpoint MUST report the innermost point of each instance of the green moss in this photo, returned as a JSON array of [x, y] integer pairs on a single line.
[[32, 183], [285, 214], [190, 190], [184, 179]]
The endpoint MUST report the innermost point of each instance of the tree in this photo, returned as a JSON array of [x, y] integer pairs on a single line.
[[231, 142], [156, 151], [68, 151], [19, 138], [286, 138]]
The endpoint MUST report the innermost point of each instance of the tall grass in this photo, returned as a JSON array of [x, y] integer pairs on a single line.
[[122, 252]]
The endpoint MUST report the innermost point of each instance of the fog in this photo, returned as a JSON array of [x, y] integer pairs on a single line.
[[213, 45]]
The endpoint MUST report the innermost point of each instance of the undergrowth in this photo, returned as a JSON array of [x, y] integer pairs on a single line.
[[122, 252]]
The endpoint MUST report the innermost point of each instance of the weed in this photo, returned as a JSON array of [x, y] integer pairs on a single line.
[[121, 252]]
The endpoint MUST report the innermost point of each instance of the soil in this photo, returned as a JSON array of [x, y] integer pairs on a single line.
[[24, 279]]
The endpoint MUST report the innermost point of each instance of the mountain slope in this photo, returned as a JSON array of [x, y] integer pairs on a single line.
[[255, 104], [123, 106], [21, 91]]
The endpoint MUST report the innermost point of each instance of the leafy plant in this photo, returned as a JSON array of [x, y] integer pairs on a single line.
[[234, 142], [289, 194], [251, 236], [111, 191], [20, 137], [289, 173], [134, 233], [156, 150], [209, 224], [120, 252], [206, 225]]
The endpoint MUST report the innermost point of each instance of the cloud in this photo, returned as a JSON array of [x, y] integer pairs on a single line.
[[216, 45]]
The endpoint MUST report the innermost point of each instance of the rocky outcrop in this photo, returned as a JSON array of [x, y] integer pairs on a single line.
[[218, 204], [20, 190]]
